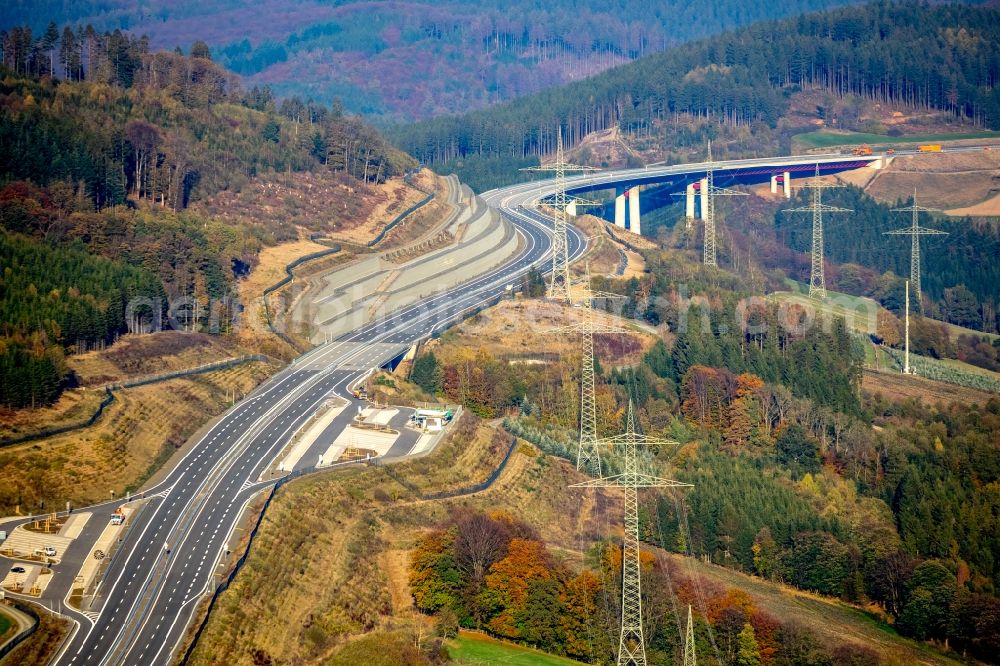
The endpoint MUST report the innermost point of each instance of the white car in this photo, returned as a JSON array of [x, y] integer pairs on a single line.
[[50, 551]]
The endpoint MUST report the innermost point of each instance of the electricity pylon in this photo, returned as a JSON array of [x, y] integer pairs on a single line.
[[690, 657], [631, 645], [709, 257], [588, 456], [915, 231], [817, 281], [559, 282]]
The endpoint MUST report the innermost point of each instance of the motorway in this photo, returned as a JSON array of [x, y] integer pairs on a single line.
[[756, 167], [172, 552]]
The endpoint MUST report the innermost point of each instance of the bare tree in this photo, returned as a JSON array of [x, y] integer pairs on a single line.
[[480, 542], [144, 138]]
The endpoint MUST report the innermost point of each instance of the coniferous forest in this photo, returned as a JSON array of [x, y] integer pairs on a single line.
[[733, 81]]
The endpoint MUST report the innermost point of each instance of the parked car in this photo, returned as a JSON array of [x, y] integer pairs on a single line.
[[17, 569], [50, 551]]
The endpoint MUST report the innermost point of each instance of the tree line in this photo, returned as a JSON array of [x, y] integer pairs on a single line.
[[792, 482], [932, 567], [161, 125], [491, 572], [958, 276], [410, 61], [735, 80], [766, 245]]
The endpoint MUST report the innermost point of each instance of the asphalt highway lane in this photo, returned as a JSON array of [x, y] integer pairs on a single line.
[[171, 553]]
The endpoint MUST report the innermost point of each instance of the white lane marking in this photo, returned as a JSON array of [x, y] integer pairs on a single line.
[[439, 310]]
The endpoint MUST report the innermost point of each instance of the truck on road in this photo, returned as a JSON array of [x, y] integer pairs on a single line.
[[930, 148]]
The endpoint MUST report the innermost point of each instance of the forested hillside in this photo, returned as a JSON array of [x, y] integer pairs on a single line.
[[960, 281], [791, 480], [938, 582], [159, 125], [766, 244], [959, 277], [406, 61], [53, 297], [735, 81], [105, 145]]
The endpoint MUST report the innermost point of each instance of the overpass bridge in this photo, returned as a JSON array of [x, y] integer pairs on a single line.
[[692, 180]]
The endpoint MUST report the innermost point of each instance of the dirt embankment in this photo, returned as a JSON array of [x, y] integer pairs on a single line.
[[958, 183], [988, 208], [329, 204], [137, 433], [271, 263], [607, 247], [352, 242], [898, 386], [530, 330], [136, 356], [606, 149]]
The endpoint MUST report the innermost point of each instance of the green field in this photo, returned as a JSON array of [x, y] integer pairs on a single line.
[[5, 624], [968, 367], [826, 139], [949, 370], [859, 312], [473, 649]]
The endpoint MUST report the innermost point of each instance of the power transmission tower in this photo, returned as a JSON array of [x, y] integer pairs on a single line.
[[588, 456], [559, 281], [690, 657], [631, 645], [709, 257], [817, 281], [915, 231]]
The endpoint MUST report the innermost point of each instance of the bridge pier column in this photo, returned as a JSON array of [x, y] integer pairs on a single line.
[[689, 204], [704, 198], [787, 182], [774, 183], [571, 208], [620, 209], [634, 222]]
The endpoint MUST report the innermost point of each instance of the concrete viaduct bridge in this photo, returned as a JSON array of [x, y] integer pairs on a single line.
[[692, 180]]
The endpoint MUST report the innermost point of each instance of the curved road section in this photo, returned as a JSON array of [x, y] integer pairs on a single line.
[[171, 554]]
